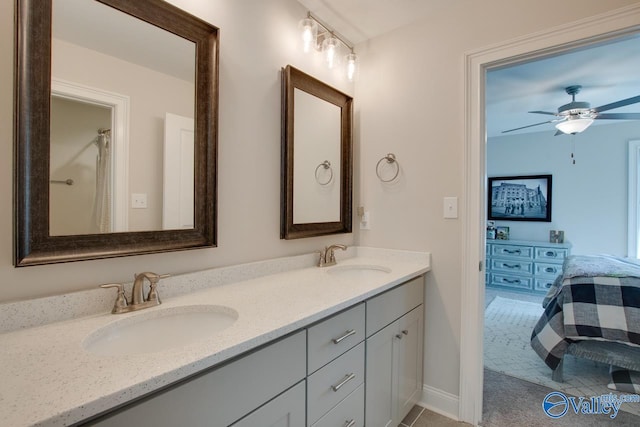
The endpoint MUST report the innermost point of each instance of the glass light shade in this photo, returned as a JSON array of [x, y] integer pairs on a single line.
[[330, 47], [352, 66], [309, 32], [576, 125]]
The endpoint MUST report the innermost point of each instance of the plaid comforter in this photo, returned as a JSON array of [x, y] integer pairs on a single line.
[[601, 303]]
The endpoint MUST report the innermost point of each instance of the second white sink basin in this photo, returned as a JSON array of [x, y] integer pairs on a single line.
[[359, 271], [160, 329]]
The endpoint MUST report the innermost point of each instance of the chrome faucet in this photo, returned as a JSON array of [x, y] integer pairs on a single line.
[[327, 257], [138, 301]]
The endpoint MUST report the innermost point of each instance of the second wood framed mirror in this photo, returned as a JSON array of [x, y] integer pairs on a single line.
[[317, 163]]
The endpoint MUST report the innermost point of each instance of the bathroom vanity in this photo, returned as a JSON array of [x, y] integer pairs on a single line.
[[305, 345]]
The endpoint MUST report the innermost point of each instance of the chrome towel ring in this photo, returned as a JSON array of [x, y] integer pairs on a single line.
[[327, 166], [390, 159]]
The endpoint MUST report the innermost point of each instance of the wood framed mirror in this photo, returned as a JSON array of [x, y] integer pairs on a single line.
[[36, 241], [317, 163]]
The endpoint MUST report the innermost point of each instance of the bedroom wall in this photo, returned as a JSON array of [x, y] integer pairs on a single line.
[[589, 197]]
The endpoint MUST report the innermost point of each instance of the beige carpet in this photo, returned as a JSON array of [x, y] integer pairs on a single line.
[[508, 326]]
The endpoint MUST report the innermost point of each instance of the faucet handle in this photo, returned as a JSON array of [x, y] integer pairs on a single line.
[[121, 303], [153, 282]]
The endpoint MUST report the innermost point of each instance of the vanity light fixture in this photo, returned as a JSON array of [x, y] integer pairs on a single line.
[[323, 39], [574, 125]]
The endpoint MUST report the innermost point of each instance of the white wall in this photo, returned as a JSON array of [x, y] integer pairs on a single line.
[[589, 198], [410, 100], [257, 38]]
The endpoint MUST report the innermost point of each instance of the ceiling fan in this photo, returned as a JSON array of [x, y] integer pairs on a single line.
[[577, 116]]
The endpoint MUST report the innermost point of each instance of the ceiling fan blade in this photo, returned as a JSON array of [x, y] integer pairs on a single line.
[[528, 126], [559, 132], [543, 112], [618, 104], [619, 116]]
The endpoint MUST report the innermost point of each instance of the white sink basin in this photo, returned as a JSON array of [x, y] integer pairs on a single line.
[[160, 329], [359, 271]]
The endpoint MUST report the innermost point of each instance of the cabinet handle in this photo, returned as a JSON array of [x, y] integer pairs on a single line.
[[405, 332], [550, 270], [350, 423], [518, 266], [509, 251], [399, 336], [551, 254], [511, 281], [346, 335], [345, 380]]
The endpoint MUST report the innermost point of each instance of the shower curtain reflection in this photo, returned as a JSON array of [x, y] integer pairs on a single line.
[[102, 205]]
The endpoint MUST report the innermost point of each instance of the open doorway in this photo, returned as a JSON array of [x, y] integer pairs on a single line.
[[601, 30]]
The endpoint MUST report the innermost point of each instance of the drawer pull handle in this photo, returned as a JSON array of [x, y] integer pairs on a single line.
[[550, 270], [552, 254], [548, 285], [511, 281], [345, 380], [350, 423], [399, 336], [518, 266], [346, 335], [406, 332], [511, 251]]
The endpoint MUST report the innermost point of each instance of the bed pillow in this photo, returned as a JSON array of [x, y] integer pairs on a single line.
[[624, 380]]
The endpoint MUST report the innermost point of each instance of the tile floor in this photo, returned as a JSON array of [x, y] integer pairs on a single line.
[[421, 417]]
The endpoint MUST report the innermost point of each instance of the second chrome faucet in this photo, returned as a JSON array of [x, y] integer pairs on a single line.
[[138, 301], [327, 257]]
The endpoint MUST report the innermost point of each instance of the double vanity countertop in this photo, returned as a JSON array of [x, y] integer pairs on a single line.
[[50, 378]]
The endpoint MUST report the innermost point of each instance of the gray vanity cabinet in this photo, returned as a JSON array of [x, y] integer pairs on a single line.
[[394, 346]]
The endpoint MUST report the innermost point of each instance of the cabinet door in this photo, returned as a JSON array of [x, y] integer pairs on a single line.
[[379, 381], [286, 410], [408, 353]]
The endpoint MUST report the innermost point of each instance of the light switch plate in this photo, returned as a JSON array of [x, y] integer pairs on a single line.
[[138, 200], [451, 207]]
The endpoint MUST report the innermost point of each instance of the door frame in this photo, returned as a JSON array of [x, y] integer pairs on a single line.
[[596, 29]]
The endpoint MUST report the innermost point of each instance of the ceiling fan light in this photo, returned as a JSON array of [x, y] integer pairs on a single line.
[[572, 126]]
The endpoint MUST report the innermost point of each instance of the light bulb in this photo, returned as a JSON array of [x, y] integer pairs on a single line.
[[352, 66], [309, 31], [330, 51]]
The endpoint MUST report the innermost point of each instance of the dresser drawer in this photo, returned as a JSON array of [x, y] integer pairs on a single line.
[[557, 254], [543, 284], [547, 269], [512, 251], [511, 281], [349, 412], [334, 336], [512, 266], [393, 304], [332, 383]]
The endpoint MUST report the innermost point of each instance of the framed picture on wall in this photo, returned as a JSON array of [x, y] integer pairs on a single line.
[[519, 198]]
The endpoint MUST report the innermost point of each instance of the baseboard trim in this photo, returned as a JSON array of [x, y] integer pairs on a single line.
[[440, 402]]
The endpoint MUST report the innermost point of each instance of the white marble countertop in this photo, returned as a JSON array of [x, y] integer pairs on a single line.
[[48, 378]]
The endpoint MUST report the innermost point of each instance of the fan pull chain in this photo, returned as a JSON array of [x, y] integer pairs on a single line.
[[573, 148]]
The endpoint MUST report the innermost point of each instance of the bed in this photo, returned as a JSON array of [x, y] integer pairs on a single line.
[[593, 311]]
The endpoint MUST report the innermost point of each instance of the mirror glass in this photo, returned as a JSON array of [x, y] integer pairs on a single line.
[[98, 53], [317, 163], [116, 110]]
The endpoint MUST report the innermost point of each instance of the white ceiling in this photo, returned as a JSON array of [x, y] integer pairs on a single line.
[[607, 72]]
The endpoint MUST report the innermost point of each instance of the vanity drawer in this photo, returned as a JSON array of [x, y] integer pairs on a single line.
[[286, 410], [349, 412], [334, 336], [513, 266], [512, 251], [393, 304], [551, 253], [512, 281], [331, 384], [547, 269]]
